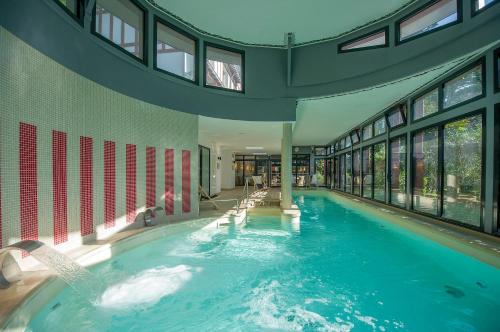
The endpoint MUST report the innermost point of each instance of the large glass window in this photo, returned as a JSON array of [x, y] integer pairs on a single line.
[[348, 142], [342, 173], [426, 105], [462, 170], [440, 14], [175, 52], [356, 172], [122, 23], [464, 87], [320, 171], [367, 132], [379, 170], [348, 172], [319, 151], [375, 39], [367, 172], [425, 171], [379, 126], [224, 68], [396, 118], [398, 171]]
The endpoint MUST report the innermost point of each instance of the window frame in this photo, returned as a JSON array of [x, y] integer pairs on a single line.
[[320, 147], [427, 91], [145, 34], [80, 16], [398, 108], [355, 133], [496, 68], [229, 49], [451, 77], [420, 9], [363, 132], [386, 126], [156, 20], [389, 170], [366, 35], [475, 12]]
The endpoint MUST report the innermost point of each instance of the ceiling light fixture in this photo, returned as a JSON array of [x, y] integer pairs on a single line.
[[254, 148]]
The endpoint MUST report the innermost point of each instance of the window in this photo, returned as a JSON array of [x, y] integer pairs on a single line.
[[356, 172], [379, 170], [426, 105], [348, 142], [379, 126], [372, 40], [396, 117], [75, 7], [175, 52], [464, 87], [342, 143], [121, 22], [224, 68], [398, 171], [342, 173], [367, 172], [480, 5], [367, 132], [348, 172], [337, 173], [355, 137], [319, 151], [425, 171], [462, 170], [320, 171], [437, 15], [497, 70]]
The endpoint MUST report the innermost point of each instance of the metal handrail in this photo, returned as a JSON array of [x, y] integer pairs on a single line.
[[242, 198]]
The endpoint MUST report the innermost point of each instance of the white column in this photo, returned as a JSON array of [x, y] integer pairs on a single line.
[[286, 167]]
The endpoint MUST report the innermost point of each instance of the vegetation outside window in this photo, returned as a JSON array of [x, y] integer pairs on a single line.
[[367, 132], [379, 126], [348, 172], [224, 68], [356, 172], [464, 87], [319, 167], [175, 52], [320, 151], [379, 171], [426, 105], [367, 172], [122, 23], [440, 14], [462, 170], [425, 171], [398, 171]]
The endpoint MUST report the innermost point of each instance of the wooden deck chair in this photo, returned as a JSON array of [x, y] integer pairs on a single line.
[[202, 194]]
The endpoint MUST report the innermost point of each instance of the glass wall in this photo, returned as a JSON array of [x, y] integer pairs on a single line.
[[426, 105], [398, 171], [367, 172], [319, 171], [223, 68], [379, 126], [356, 172], [342, 173], [122, 23], [462, 170], [367, 132], [425, 175], [464, 87], [348, 172], [379, 171], [175, 52]]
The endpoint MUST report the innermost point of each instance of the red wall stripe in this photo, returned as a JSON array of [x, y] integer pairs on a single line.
[[28, 182], [109, 184], [150, 176], [169, 181], [86, 187], [59, 186], [186, 181], [130, 170]]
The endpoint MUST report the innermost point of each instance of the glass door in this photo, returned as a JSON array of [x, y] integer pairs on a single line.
[[276, 172]]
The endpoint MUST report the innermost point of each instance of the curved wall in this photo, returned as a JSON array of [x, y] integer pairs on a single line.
[[316, 70]]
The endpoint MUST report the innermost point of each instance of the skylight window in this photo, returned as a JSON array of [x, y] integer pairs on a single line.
[[483, 4], [439, 14], [224, 68], [121, 22], [372, 40], [175, 52]]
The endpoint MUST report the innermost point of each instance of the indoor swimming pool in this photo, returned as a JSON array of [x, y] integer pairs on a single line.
[[335, 269]]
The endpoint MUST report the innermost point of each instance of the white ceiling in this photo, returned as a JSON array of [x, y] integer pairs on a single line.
[[266, 21]]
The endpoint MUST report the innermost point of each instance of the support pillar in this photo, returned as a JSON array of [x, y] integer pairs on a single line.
[[286, 167]]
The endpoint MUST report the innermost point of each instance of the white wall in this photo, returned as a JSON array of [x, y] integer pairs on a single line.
[[227, 170]]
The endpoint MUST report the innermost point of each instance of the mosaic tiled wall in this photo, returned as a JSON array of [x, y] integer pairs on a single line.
[[78, 159]]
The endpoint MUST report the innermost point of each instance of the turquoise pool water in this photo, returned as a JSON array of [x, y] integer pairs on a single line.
[[334, 270]]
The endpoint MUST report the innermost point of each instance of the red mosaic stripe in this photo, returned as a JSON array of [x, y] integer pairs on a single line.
[[169, 181], [28, 182], [86, 187], [131, 177], [186, 181], [150, 176], [59, 187], [109, 184]]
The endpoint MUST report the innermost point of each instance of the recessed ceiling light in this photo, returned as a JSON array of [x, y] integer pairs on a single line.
[[254, 148], [260, 153]]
